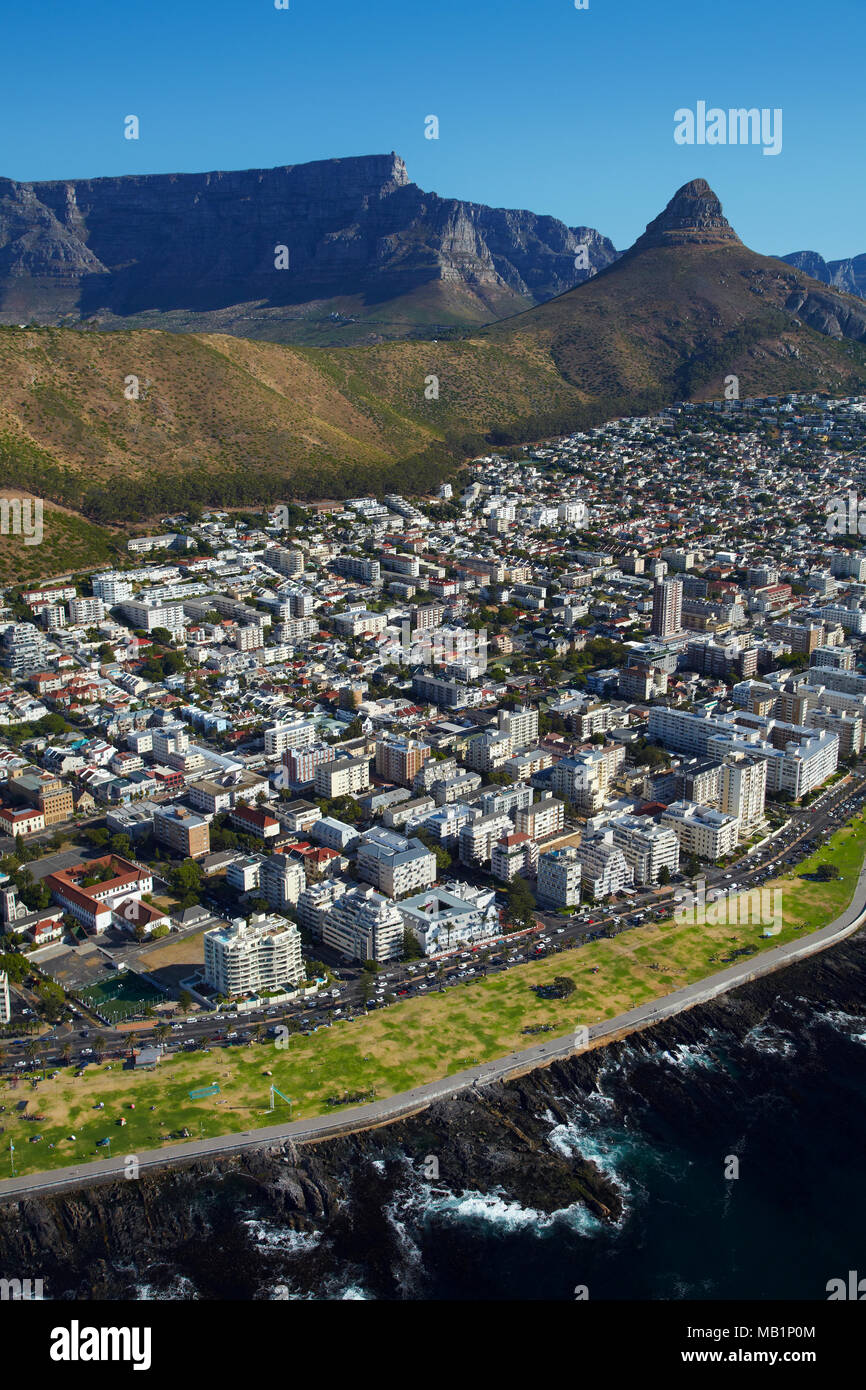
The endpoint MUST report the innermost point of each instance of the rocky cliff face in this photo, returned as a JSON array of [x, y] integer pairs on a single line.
[[693, 217], [194, 245], [848, 275]]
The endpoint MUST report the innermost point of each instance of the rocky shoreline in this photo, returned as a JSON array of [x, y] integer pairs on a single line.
[[230, 1228]]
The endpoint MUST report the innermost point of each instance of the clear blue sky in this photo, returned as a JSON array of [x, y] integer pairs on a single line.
[[541, 106]]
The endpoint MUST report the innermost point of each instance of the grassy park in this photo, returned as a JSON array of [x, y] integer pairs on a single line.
[[404, 1045]]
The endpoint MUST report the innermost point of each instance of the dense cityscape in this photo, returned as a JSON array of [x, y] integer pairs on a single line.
[[307, 762]]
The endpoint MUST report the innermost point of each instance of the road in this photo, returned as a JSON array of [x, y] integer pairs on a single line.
[[807, 826], [541, 1054]]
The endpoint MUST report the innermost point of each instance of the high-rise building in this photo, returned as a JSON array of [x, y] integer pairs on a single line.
[[559, 876], [362, 925], [400, 759], [667, 608], [246, 957]]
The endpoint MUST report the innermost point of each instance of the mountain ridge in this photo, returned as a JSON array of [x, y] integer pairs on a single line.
[[221, 419], [368, 253]]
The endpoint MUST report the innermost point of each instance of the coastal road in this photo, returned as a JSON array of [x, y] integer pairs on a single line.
[[514, 1064]]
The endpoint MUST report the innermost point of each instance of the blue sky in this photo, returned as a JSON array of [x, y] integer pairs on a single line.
[[540, 105]]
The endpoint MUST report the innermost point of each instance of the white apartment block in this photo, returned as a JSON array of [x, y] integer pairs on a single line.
[[5, 999], [479, 836], [585, 780], [148, 616], [85, 611], [112, 588], [648, 847], [454, 915], [488, 752], [282, 881], [702, 830], [604, 868], [744, 790], [520, 725], [249, 956], [514, 854], [559, 877], [395, 865], [363, 925], [359, 624], [316, 901], [542, 818], [301, 733], [342, 777]]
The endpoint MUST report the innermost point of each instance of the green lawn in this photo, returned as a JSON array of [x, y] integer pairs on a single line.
[[407, 1044]]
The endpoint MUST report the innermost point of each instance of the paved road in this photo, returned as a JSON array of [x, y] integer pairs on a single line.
[[541, 1054]]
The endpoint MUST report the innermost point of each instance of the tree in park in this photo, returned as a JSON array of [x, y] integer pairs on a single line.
[[521, 904]]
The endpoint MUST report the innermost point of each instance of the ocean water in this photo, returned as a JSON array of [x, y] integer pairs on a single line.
[[768, 1084]]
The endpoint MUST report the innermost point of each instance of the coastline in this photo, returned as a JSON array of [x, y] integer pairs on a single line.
[[403, 1105]]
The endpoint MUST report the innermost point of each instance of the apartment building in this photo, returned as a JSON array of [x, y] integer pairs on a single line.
[[478, 837], [439, 690], [453, 915], [283, 880], [648, 848], [363, 925], [334, 834], [400, 759], [743, 789], [342, 777], [359, 624], [559, 877], [315, 902], [85, 612], [586, 779], [522, 766], [215, 795], [520, 726], [246, 957], [433, 770], [604, 868], [299, 765], [300, 733], [542, 818], [488, 752], [395, 865], [5, 999], [515, 853], [185, 832], [702, 830], [667, 608], [147, 616], [368, 571]]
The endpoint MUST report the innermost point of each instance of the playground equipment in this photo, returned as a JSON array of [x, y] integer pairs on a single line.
[[202, 1092], [287, 1099]]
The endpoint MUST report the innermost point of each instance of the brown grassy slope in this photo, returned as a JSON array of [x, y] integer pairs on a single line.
[[222, 418]]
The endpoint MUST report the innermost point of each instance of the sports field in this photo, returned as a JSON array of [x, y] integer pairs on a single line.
[[405, 1045]]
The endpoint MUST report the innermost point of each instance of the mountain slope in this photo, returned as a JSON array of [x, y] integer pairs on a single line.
[[848, 275], [223, 419], [369, 254]]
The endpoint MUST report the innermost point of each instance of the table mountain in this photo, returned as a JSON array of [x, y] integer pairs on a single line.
[[370, 255], [224, 420]]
